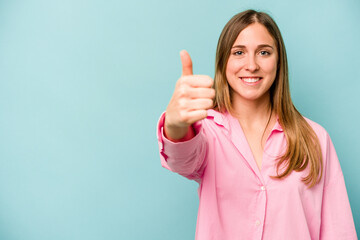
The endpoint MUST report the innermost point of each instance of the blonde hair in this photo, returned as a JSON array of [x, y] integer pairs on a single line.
[[303, 147]]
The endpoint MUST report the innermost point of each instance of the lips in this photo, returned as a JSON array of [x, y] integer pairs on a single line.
[[250, 80]]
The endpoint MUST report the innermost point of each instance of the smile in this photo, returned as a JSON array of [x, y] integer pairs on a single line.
[[250, 80]]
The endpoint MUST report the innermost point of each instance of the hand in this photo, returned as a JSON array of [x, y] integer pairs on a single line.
[[192, 96]]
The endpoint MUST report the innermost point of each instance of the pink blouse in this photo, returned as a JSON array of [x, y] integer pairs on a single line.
[[239, 201]]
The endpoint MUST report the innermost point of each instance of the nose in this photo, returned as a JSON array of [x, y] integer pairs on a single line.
[[251, 64]]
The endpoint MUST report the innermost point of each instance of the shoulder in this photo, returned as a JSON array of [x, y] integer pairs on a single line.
[[319, 130]]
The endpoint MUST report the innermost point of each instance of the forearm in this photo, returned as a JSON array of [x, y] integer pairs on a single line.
[[183, 156], [178, 134]]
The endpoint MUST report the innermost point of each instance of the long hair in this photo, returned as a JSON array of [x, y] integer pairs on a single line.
[[303, 147]]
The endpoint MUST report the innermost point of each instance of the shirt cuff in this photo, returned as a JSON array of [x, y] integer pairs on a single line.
[[184, 148]]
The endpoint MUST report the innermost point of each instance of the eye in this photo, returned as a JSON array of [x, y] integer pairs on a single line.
[[238, 53], [264, 53]]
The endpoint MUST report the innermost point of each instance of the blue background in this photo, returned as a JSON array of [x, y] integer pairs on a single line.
[[82, 84]]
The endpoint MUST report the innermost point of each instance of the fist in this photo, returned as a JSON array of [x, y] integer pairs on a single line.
[[192, 96]]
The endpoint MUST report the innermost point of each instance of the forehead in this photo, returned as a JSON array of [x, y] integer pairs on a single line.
[[253, 35]]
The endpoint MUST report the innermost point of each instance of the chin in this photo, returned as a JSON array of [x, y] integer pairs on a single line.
[[251, 96]]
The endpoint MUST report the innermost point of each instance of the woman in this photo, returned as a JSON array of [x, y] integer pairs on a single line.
[[265, 171]]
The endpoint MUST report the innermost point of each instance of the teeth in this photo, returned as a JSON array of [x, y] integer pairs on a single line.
[[250, 80]]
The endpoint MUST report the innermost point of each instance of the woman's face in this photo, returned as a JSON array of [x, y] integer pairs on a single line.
[[252, 65]]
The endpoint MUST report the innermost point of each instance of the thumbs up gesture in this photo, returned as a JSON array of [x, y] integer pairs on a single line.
[[192, 96]]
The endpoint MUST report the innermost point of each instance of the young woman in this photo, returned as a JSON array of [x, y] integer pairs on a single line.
[[264, 171]]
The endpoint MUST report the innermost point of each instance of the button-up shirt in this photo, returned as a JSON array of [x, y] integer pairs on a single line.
[[240, 201]]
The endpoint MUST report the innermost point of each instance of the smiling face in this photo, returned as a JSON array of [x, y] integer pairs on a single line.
[[252, 64]]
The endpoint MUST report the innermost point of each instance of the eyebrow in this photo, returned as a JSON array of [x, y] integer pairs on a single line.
[[259, 46]]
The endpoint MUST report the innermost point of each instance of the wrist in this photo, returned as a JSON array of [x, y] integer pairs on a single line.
[[178, 134]]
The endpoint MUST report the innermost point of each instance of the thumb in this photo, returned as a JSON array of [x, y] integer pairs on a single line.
[[186, 63]]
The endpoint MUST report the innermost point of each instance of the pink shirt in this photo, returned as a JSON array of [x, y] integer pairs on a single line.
[[239, 201]]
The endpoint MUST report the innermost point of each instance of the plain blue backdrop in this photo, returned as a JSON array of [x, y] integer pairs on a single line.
[[82, 84]]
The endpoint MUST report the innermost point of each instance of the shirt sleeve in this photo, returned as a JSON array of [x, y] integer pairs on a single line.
[[336, 216], [186, 158]]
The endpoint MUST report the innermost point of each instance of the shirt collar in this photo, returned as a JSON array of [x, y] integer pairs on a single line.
[[219, 118], [223, 120], [277, 126]]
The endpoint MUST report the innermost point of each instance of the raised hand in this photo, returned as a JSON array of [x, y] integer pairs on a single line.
[[192, 96]]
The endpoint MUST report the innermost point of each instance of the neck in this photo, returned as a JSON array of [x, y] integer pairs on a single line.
[[252, 113]]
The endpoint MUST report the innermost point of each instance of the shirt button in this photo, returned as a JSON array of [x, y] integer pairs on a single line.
[[257, 222], [262, 188]]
